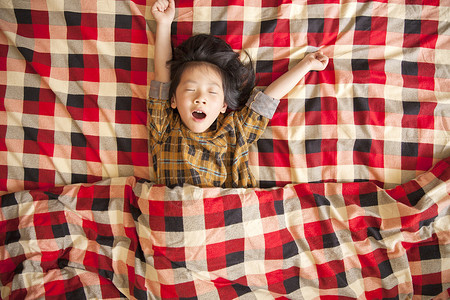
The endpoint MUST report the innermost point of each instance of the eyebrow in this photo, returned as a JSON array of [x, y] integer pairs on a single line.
[[195, 82]]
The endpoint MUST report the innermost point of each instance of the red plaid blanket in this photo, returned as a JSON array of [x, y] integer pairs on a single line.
[[122, 238], [74, 77]]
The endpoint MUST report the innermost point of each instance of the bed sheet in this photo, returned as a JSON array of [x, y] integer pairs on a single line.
[[353, 168], [123, 238], [75, 76]]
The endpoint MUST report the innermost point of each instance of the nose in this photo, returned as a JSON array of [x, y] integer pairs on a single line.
[[200, 100]]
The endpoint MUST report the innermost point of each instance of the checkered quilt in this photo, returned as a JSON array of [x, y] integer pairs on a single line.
[[353, 168], [122, 238]]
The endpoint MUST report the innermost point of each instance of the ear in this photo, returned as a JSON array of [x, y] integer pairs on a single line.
[[173, 103], [224, 108]]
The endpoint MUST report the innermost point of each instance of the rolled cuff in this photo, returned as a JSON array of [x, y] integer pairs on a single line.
[[262, 103], [159, 90]]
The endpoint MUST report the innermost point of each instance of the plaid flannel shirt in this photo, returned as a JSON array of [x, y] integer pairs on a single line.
[[218, 157]]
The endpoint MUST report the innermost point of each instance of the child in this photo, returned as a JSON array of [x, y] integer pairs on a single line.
[[194, 139]]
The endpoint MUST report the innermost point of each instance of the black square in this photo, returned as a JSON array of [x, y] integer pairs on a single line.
[[139, 294], [79, 178], [429, 252], [313, 146], [123, 144], [60, 230], [267, 184], [341, 280], [315, 25], [361, 104], [292, 284], [290, 249], [26, 53], [31, 93], [122, 62], [410, 68], [268, 26], [234, 258], [8, 200], [279, 207], [411, 108], [174, 224], [108, 274], [219, 27], [363, 23], [362, 145], [75, 100], [31, 174], [76, 61], [410, 149], [105, 240], [426, 222], [233, 216], [330, 240], [313, 104], [178, 264], [367, 200], [265, 145], [123, 21], [78, 139], [30, 134], [413, 26], [123, 103], [72, 18], [385, 269], [100, 204], [264, 66], [51, 196], [12, 237], [241, 289], [76, 294], [374, 232], [23, 16], [415, 196], [321, 200], [431, 289], [360, 64]]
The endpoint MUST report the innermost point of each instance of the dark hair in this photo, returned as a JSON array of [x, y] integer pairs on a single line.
[[238, 79]]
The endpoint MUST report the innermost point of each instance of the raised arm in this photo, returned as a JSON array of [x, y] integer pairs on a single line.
[[163, 11], [315, 61]]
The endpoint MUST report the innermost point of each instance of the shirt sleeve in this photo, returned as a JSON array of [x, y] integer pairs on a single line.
[[262, 103], [255, 116], [158, 107]]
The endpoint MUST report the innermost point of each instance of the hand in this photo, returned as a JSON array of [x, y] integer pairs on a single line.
[[164, 11], [317, 61]]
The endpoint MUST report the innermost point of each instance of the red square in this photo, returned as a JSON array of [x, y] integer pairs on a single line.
[[78, 153], [74, 33], [54, 288], [30, 147], [361, 38], [31, 107]]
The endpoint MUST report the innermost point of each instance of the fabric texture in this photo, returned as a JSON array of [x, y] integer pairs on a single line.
[[352, 169], [218, 157], [120, 238]]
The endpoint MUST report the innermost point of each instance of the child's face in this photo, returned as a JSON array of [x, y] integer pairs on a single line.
[[199, 97]]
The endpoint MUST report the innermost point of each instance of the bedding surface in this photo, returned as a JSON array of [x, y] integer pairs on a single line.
[[353, 170], [75, 76], [124, 238]]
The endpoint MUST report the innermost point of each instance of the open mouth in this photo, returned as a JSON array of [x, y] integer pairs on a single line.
[[199, 115]]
